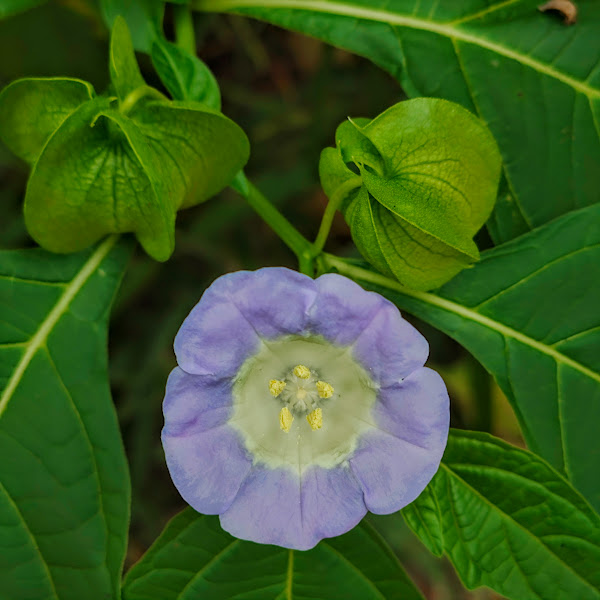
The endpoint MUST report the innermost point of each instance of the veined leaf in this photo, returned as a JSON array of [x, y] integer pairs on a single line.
[[528, 311], [194, 558], [535, 81], [185, 75], [32, 109], [507, 520], [64, 485]]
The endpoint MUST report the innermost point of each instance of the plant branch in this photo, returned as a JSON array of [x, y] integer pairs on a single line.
[[292, 238], [345, 267], [332, 206]]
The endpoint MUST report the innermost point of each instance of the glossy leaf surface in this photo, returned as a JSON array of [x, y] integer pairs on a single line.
[[64, 485], [508, 521], [194, 558]]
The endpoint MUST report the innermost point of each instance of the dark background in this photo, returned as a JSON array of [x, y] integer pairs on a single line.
[[289, 93]]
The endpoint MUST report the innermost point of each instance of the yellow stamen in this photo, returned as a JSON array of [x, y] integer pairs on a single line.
[[276, 387], [302, 372], [325, 389], [286, 419], [315, 419]]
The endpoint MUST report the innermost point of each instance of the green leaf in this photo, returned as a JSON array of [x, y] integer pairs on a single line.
[[533, 80], [185, 75], [424, 518], [506, 221], [512, 523], [64, 485], [430, 172], [194, 558], [124, 70], [31, 110], [104, 172], [11, 7], [529, 313], [144, 19]]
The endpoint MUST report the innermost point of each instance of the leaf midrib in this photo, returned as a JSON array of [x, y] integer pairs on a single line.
[[447, 30], [38, 340], [463, 311]]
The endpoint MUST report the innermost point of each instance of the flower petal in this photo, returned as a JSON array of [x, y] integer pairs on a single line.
[[416, 410], [238, 309], [390, 348], [342, 309], [392, 472], [275, 507], [207, 468], [194, 403], [215, 338], [274, 300]]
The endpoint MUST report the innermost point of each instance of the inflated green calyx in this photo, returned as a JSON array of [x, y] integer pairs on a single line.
[[115, 164], [430, 172]]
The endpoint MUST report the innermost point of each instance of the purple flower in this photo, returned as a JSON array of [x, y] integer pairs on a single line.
[[298, 405]]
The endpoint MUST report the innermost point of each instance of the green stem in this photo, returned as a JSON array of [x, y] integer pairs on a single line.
[[333, 205], [185, 35], [344, 267], [293, 239]]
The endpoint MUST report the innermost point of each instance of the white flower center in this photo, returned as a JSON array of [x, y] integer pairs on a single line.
[[302, 401]]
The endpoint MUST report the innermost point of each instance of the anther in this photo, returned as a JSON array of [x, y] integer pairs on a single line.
[[325, 389], [302, 372], [315, 419], [286, 419], [276, 387]]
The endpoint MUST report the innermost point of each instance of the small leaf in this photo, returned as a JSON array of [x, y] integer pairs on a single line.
[[430, 173], [31, 110], [185, 75], [64, 485], [124, 70], [104, 172], [510, 522], [144, 19], [194, 558]]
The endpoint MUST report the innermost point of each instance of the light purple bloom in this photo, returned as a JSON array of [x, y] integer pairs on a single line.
[[298, 405]]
